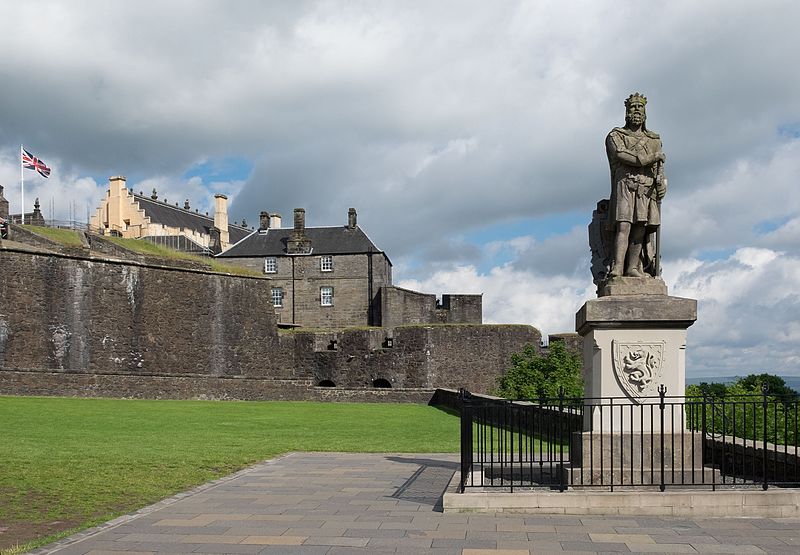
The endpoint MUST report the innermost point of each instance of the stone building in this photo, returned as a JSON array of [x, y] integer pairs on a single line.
[[127, 214], [335, 277], [326, 277]]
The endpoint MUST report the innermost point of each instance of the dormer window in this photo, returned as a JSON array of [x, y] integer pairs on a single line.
[[270, 265], [326, 263]]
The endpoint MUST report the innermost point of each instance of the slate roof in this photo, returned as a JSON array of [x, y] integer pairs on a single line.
[[324, 240], [173, 216]]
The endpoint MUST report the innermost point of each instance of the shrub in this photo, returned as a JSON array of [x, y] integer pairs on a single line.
[[533, 375]]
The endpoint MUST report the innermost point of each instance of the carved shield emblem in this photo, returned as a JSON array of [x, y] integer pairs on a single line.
[[638, 366]]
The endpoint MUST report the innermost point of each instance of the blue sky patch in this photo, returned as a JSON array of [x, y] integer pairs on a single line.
[[768, 226], [790, 130], [711, 255], [541, 228], [221, 169]]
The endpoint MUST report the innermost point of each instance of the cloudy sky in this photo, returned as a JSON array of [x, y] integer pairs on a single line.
[[469, 136]]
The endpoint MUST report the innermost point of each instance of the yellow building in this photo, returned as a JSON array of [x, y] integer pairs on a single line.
[[126, 214]]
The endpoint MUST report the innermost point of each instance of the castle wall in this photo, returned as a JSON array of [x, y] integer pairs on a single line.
[[70, 325], [462, 309], [403, 306], [78, 315]]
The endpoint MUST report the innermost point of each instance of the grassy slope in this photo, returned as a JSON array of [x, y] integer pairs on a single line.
[[70, 238], [67, 237], [86, 460], [151, 249]]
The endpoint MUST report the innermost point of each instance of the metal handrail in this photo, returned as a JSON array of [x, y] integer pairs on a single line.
[[611, 442]]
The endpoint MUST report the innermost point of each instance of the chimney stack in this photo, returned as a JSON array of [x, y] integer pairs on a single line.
[[221, 220], [352, 218], [275, 221], [263, 219], [299, 219], [299, 243]]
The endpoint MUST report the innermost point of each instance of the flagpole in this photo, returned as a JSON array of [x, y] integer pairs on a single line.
[[22, 184]]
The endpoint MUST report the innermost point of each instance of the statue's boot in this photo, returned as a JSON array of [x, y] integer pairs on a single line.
[[634, 265]]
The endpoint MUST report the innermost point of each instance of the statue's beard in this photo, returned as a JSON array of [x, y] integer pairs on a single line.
[[636, 119]]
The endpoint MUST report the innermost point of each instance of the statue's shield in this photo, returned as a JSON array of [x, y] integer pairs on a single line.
[[638, 366]]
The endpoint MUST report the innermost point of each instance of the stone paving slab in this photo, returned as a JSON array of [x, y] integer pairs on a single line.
[[345, 503]]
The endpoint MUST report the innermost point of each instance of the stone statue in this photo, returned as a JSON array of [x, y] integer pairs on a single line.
[[637, 187]]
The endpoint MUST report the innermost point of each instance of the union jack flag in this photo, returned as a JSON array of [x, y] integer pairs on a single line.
[[31, 162]]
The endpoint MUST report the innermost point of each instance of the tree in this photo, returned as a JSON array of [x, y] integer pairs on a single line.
[[749, 385], [741, 409], [533, 375], [775, 384]]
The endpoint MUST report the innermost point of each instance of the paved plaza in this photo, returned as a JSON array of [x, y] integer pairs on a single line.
[[340, 503]]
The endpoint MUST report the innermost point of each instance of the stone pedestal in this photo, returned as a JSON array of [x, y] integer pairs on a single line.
[[632, 344], [636, 459]]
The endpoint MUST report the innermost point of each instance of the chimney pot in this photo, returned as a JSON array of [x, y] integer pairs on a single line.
[[275, 221]]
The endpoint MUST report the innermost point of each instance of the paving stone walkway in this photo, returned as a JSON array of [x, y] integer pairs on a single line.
[[338, 503]]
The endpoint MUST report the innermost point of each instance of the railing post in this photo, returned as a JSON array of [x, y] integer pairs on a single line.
[[764, 390], [662, 390], [466, 436], [561, 438]]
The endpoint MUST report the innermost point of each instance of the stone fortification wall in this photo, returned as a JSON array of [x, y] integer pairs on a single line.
[[72, 325], [461, 309], [424, 356], [403, 306], [572, 341], [64, 313], [194, 387]]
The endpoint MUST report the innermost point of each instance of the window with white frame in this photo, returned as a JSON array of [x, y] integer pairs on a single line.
[[270, 265], [326, 296], [326, 263], [277, 297]]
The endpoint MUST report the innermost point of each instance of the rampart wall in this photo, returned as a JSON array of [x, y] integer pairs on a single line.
[[63, 313], [403, 306], [73, 325]]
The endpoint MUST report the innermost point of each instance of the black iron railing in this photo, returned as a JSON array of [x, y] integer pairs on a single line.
[[657, 442]]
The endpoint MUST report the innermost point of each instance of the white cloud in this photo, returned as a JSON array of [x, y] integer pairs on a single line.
[[511, 296], [747, 306], [437, 120]]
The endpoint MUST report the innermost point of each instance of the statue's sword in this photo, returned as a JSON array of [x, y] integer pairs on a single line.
[[657, 262]]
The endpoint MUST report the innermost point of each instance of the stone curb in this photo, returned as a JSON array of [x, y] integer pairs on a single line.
[[773, 503]]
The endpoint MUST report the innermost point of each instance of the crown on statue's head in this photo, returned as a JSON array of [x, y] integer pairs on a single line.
[[637, 98]]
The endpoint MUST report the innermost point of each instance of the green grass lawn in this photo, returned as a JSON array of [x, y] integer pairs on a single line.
[[67, 237], [151, 249], [70, 238], [77, 462]]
